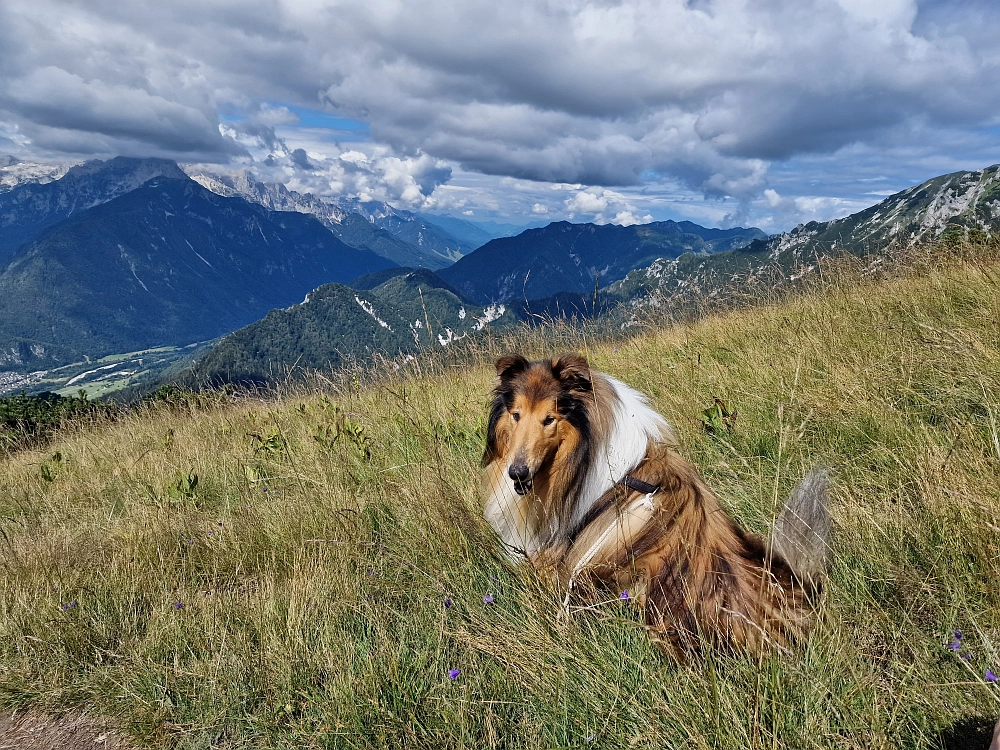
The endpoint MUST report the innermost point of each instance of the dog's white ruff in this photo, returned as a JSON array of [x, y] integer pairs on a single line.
[[634, 425]]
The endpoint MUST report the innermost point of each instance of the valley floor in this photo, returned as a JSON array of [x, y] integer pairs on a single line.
[[102, 377], [306, 571]]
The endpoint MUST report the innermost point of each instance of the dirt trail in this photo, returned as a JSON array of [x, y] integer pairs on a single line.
[[36, 731]]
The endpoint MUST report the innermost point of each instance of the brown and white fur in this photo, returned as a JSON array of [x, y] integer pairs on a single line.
[[560, 441]]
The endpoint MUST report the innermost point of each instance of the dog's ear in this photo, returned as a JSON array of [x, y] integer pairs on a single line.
[[511, 365], [573, 370]]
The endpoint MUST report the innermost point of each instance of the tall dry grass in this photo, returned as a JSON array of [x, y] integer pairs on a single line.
[[277, 572]]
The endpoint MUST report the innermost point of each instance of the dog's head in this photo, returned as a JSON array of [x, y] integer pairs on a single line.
[[539, 412]]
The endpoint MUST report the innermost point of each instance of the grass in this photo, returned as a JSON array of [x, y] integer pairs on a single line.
[[274, 572]]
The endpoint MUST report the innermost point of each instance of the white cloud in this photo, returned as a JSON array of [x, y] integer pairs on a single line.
[[627, 219], [709, 97], [587, 202], [776, 212], [603, 206]]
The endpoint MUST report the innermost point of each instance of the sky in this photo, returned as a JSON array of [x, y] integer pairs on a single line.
[[767, 113]]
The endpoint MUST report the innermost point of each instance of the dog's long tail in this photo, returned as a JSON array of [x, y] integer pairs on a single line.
[[801, 535]]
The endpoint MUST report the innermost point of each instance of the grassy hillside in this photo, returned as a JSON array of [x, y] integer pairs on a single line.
[[304, 572]]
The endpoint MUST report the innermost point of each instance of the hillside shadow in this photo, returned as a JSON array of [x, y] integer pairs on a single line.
[[972, 733]]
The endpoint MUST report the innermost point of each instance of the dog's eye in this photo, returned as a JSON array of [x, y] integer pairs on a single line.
[[516, 415], [548, 420]]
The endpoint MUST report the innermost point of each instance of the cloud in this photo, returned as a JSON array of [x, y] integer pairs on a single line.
[[352, 173], [603, 207], [713, 96], [52, 100], [587, 202], [605, 93]]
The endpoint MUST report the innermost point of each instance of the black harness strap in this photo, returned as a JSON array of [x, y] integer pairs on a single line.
[[638, 485], [609, 498]]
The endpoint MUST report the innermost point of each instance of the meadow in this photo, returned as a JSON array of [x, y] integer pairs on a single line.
[[311, 569]]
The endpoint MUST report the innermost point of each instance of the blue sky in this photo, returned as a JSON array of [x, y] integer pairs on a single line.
[[719, 111]]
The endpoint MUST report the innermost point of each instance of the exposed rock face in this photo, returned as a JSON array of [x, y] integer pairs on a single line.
[[401, 236], [956, 205]]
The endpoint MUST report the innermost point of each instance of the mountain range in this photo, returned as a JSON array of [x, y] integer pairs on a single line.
[[14, 172], [30, 207], [413, 228], [394, 312], [353, 228], [167, 263], [402, 236], [688, 260], [477, 233], [564, 257], [958, 205], [132, 254]]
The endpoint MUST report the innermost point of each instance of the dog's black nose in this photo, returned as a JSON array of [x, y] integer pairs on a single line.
[[519, 473]]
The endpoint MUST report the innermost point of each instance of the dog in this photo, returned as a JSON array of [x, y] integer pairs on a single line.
[[582, 480]]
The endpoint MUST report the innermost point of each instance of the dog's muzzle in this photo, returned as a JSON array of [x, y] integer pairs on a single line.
[[521, 476]]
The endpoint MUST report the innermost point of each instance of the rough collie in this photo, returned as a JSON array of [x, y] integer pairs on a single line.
[[581, 481]]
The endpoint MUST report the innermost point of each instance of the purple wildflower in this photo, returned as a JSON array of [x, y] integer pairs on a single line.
[[625, 597], [488, 599], [956, 634], [64, 607], [448, 602], [265, 489], [179, 605], [990, 677], [72, 604], [454, 673], [954, 645]]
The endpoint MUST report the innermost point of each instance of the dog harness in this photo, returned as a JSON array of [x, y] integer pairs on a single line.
[[639, 486]]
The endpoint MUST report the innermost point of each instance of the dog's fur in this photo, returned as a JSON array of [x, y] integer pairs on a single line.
[[560, 441]]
